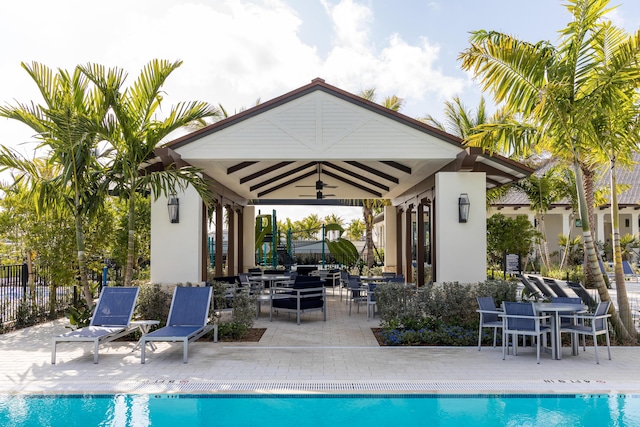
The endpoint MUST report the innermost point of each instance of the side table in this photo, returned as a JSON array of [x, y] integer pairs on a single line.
[[144, 326]]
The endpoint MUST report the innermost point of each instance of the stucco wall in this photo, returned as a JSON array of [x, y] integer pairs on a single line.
[[176, 250], [461, 248]]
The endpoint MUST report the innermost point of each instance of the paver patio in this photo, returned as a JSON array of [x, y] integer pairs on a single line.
[[339, 355]]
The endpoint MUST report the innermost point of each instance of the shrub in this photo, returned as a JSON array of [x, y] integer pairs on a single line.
[[153, 304], [437, 314]]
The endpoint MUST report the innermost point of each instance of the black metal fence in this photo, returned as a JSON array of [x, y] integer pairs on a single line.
[[22, 304]]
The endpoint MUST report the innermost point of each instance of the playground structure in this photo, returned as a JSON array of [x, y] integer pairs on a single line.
[[275, 248], [270, 249]]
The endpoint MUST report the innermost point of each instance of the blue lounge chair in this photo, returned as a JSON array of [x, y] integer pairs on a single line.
[[628, 271], [187, 321], [110, 320]]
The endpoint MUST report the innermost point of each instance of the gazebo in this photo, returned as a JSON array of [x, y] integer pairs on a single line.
[[319, 144]]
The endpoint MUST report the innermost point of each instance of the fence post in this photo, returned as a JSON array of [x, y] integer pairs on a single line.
[[105, 272], [24, 277]]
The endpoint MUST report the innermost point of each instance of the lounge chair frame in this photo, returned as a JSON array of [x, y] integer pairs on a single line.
[[103, 328], [184, 333]]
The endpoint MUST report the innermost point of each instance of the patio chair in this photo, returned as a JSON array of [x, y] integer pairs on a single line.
[[488, 318], [520, 319], [594, 324], [308, 293], [187, 320], [371, 300], [355, 293], [110, 320], [628, 271], [344, 282]]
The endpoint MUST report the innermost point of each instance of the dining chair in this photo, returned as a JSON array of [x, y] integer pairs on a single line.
[[355, 293], [520, 319], [371, 299], [488, 318], [594, 324]]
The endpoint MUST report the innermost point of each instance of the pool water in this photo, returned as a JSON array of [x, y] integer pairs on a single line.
[[319, 410]]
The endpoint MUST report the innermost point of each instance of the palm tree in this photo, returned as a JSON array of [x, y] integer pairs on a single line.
[[371, 207], [67, 127], [618, 130], [355, 229], [135, 132], [309, 226], [459, 120], [558, 91], [541, 192]]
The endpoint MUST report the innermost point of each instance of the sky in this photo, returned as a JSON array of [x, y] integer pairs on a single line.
[[237, 52]]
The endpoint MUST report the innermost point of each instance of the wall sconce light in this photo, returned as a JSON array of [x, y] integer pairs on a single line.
[[463, 207], [173, 205]]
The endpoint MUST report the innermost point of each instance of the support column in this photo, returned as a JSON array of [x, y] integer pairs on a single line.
[[389, 240], [204, 243], [398, 240], [566, 224], [248, 238], [219, 239], [420, 244], [408, 234], [240, 251], [600, 237], [231, 242], [177, 248], [461, 247]]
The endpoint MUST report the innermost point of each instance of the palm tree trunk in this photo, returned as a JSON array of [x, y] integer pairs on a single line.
[[592, 257], [131, 223], [587, 175], [565, 254], [367, 212], [544, 245], [82, 261], [621, 286]]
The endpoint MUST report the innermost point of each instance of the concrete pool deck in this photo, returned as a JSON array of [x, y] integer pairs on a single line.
[[340, 355]]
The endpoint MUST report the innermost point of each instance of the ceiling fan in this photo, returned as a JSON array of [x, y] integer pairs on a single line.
[[319, 184], [319, 195]]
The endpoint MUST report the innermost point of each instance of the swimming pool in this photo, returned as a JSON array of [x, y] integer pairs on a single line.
[[319, 410]]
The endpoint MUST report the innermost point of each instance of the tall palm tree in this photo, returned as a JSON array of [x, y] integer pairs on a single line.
[[558, 90], [135, 132], [66, 125], [459, 120], [371, 207], [619, 135]]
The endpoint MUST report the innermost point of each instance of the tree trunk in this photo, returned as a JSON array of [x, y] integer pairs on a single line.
[[131, 224], [588, 194], [621, 286], [367, 213], [82, 261], [592, 258], [544, 245], [565, 254]]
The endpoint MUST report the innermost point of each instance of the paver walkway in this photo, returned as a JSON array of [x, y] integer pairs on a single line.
[[339, 355]]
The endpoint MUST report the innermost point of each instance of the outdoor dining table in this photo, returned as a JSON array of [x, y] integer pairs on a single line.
[[374, 279], [554, 309], [269, 279]]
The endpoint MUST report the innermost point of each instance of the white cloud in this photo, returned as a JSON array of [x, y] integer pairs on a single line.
[[234, 51], [350, 23]]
